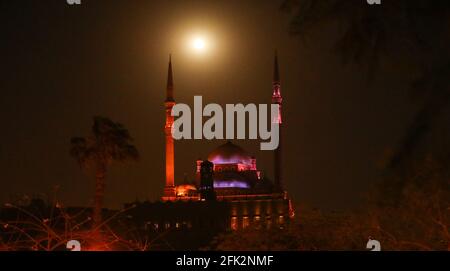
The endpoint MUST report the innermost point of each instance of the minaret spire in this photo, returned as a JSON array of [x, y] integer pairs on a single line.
[[169, 190], [276, 72], [169, 89], [277, 99]]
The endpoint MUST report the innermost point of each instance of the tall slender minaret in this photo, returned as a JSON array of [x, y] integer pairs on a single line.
[[277, 99], [169, 189]]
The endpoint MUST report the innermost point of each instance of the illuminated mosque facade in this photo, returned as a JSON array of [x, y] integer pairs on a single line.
[[236, 178], [228, 192]]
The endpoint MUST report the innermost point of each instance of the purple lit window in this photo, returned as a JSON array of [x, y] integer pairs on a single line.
[[230, 184]]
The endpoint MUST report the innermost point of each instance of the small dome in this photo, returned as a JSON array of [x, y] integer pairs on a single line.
[[185, 189], [229, 153], [186, 186]]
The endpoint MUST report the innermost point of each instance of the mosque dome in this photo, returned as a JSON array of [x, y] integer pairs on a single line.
[[185, 189], [229, 153]]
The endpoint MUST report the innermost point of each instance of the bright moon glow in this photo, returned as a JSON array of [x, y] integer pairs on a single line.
[[199, 44]]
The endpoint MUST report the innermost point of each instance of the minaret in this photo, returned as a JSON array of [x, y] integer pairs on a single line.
[[277, 99], [169, 189]]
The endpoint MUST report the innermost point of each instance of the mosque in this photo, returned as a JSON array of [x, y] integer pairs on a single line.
[[228, 191], [236, 177]]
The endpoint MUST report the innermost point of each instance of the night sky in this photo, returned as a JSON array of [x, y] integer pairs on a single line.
[[61, 65]]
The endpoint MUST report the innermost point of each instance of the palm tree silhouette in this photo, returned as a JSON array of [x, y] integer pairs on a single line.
[[108, 142]]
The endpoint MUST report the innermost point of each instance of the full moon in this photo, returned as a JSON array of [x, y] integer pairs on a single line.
[[199, 44]]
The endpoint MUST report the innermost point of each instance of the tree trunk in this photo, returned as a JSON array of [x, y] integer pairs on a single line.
[[99, 194]]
